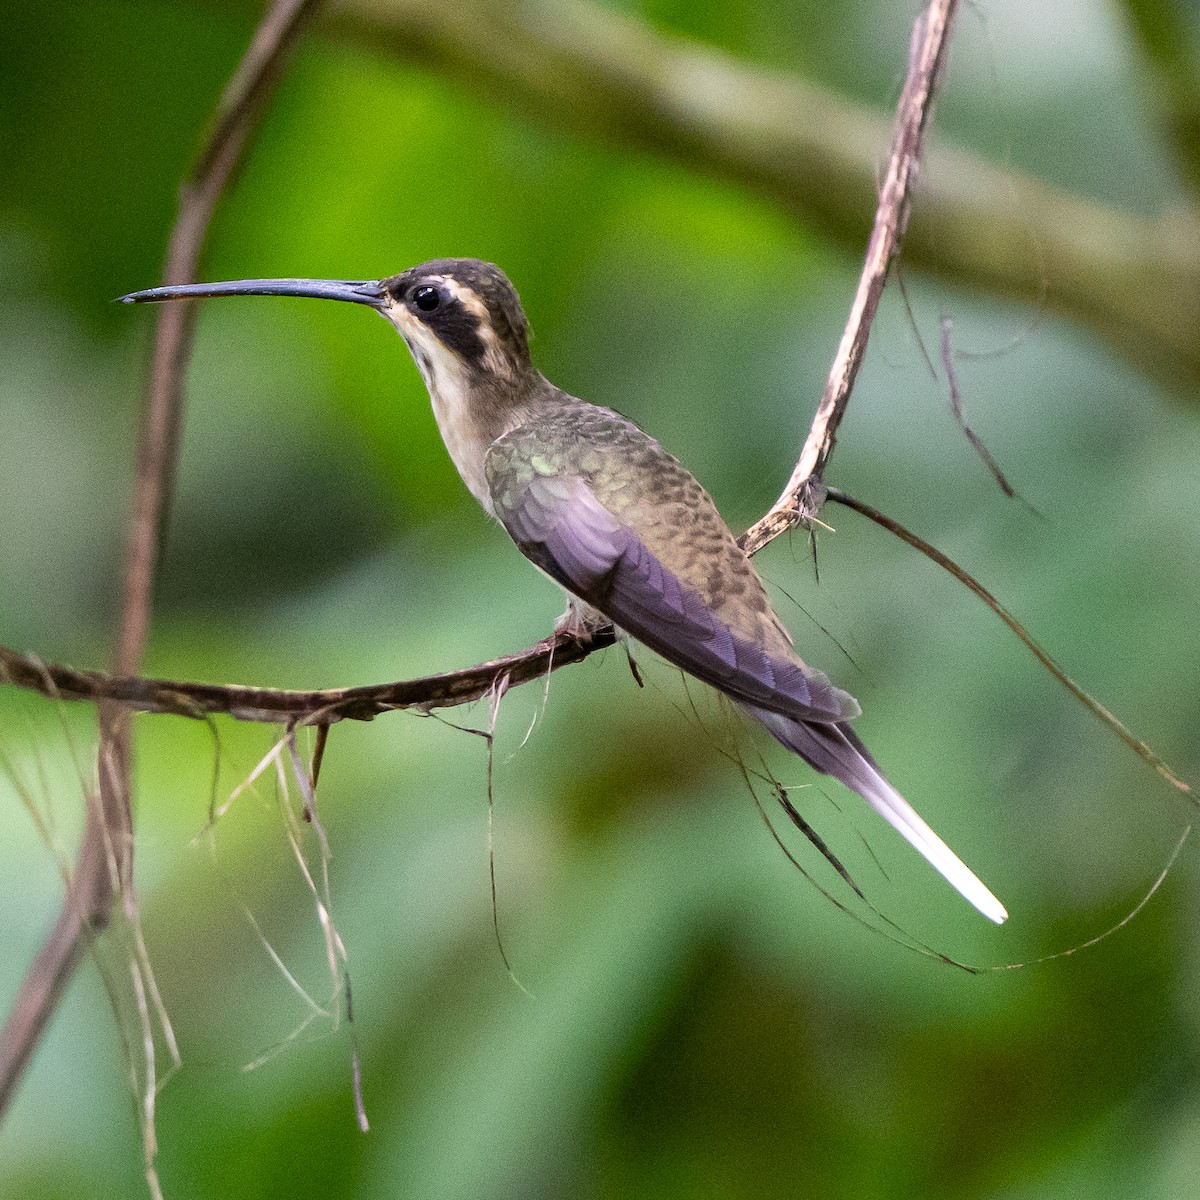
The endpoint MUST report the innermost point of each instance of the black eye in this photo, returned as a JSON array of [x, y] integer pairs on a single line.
[[427, 298]]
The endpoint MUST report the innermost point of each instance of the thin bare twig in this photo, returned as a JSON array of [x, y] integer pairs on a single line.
[[956, 410], [1096, 939], [805, 492], [949, 356], [336, 954], [105, 863], [1093, 706]]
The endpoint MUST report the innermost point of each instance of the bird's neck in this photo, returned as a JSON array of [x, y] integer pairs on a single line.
[[472, 410]]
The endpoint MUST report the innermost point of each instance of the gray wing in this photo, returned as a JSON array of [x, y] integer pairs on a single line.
[[558, 523]]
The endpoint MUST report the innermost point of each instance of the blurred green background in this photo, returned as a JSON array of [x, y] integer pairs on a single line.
[[702, 1021]]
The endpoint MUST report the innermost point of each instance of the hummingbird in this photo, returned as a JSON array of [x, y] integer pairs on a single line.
[[623, 526]]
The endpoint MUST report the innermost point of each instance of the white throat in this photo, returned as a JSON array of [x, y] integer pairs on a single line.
[[450, 394]]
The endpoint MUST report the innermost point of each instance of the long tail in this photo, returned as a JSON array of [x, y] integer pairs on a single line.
[[835, 749]]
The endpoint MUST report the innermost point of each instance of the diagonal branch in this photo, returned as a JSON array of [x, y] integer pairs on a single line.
[[805, 491], [105, 863]]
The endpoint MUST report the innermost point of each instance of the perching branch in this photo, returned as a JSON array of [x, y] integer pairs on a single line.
[[105, 864], [277, 706], [1134, 281]]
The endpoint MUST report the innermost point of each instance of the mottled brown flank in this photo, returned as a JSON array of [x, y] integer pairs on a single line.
[[648, 490]]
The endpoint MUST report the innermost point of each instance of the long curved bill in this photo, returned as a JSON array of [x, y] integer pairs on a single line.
[[370, 292]]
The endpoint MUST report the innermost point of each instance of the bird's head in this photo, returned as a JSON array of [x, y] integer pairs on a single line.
[[463, 309], [464, 324], [461, 317]]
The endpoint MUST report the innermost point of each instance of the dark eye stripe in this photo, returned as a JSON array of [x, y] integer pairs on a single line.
[[458, 330], [453, 325]]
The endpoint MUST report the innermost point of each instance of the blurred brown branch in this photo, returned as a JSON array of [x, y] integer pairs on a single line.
[[104, 868], [1132, 280]]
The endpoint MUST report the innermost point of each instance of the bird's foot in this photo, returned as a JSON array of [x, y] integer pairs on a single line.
[[580, 620]]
